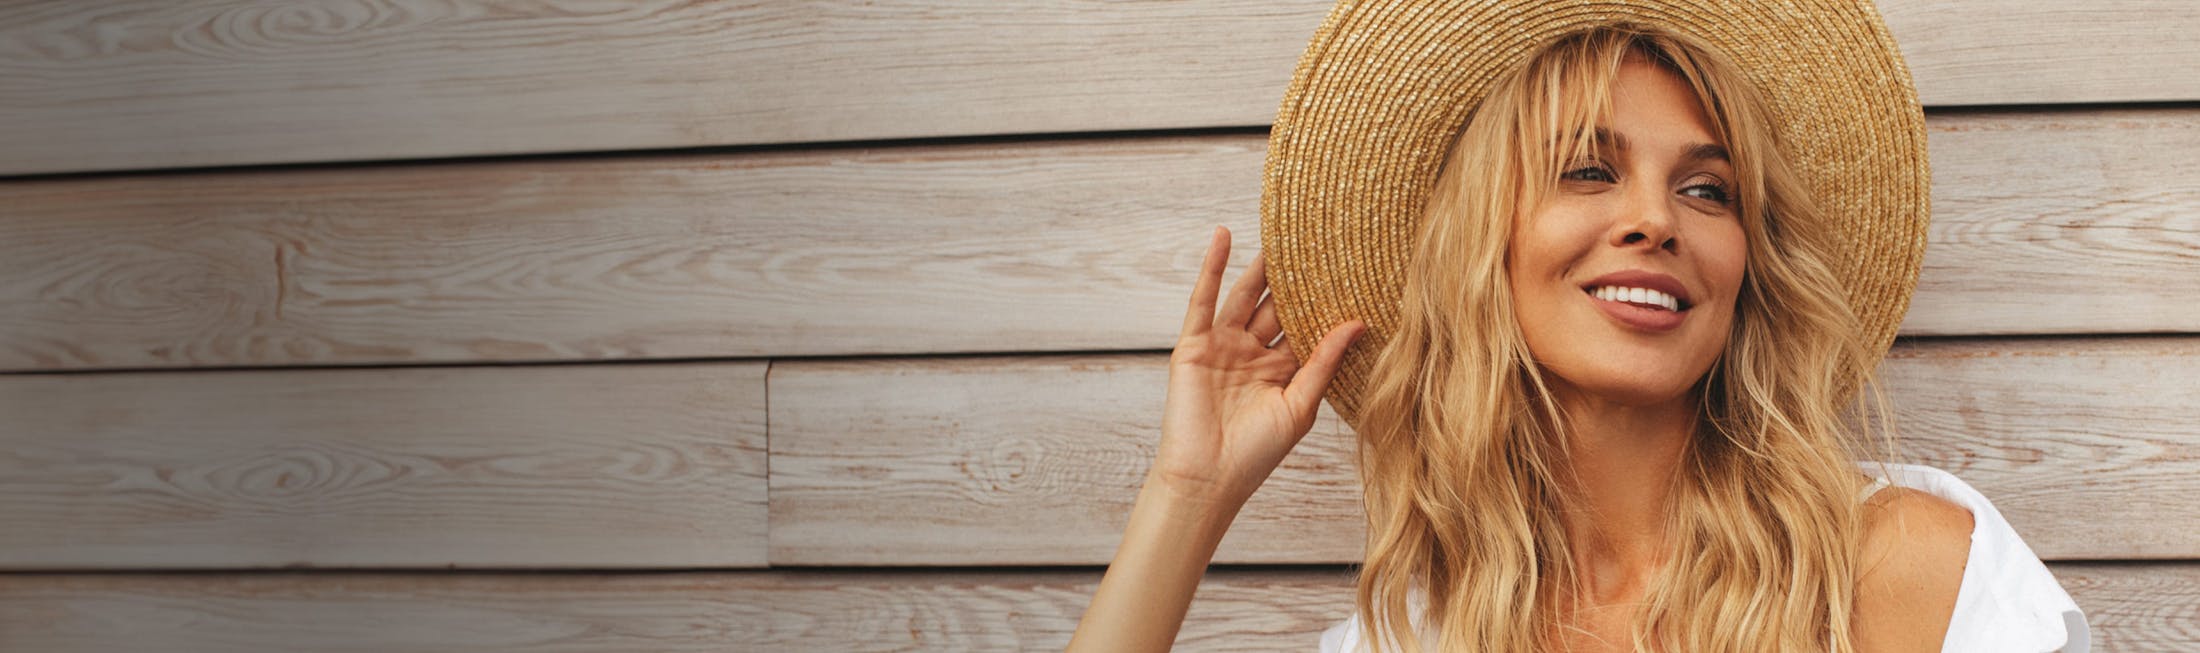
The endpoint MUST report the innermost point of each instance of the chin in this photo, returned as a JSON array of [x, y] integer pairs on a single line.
[[1625, 390]]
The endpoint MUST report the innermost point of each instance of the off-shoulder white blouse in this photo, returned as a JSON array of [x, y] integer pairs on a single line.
[[2009, 601]]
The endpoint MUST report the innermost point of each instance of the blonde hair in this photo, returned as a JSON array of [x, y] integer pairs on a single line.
[[1460, 439]]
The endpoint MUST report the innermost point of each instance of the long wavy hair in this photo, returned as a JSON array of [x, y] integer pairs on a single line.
[[1461, 442]]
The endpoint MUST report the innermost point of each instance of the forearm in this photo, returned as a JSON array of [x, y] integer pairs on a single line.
[[1170, 538]]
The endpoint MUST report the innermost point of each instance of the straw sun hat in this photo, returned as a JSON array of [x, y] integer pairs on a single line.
[[1387, 84]]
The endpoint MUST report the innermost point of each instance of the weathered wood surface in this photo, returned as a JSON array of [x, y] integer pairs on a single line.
[[2063, 222], [133, 84], [980, 461], [2086, 445], [2133, 608], [604, 466], [2047, 222]]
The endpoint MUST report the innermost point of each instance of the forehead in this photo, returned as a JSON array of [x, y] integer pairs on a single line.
[[1654, 107], [1642, 106]]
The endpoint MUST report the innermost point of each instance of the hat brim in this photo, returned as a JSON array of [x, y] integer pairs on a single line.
[[1384, 86]]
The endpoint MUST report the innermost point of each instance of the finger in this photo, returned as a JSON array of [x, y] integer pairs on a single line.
[[1312, 380], [1265, 325], [1284, 346], [1201, 314], [1239, 305]]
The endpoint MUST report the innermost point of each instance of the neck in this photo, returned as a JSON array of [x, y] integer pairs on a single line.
[[1622, 460]]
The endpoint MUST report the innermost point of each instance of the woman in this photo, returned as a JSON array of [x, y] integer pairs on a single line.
[[1610, 413]]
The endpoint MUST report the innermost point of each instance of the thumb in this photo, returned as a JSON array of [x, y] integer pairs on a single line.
[[1311, 382]]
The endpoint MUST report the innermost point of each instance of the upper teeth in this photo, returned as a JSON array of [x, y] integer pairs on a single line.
[[1637, 296]]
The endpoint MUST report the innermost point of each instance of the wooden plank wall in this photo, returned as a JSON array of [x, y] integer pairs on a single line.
[[825, 325]]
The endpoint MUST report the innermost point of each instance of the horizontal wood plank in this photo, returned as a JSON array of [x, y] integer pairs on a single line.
[[2049, 222], [1012, 460], [2061, 223], [2131, 607], [2137, 606], [609, 466], [131, 84], [2085, 445]]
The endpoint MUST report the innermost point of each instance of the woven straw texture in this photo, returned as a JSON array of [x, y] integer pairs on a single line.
[[1384, 87]]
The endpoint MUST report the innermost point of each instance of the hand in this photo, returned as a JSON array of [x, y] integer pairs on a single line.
[[1230, 416]]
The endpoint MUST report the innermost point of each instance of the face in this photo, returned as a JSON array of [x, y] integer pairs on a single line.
[[1653, 213]]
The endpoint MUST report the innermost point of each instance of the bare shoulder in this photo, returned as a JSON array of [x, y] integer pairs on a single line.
[[1909, 569]]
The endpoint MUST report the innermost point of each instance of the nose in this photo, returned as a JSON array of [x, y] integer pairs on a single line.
[[1647, 218]]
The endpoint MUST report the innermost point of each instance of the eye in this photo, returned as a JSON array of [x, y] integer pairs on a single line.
[[1710, 191], [1588, 172]]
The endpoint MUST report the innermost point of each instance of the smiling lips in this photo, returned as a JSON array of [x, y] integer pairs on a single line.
[[1645, 300], [1643, 296]]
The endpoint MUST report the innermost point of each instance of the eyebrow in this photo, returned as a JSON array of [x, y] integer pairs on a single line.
[[1696, 152]]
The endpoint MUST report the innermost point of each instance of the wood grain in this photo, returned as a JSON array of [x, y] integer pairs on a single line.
[[1014, 460], [2083, 444], [608, 466], [2137, 606], [139, 84], [2132, 607], [2047, 222], [2061, 223], [928, 250], [2086, 445]]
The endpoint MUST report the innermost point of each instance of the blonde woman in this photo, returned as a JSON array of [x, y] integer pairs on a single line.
[[1631, 320]]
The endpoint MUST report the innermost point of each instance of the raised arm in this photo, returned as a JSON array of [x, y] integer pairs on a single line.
[[1235, 407]]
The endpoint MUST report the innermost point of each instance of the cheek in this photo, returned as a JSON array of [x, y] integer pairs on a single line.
[[1530, 262], [1727, 258], [1722, 260], [1542, 245], [1516, 244], [1521, 256], [1543, 248]]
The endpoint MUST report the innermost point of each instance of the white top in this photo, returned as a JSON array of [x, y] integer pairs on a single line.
[[2009, 601]]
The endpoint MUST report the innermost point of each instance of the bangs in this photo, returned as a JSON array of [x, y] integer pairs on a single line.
[[1565, 93]]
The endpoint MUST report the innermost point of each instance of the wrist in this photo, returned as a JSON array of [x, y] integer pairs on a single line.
[[1198, 503]]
